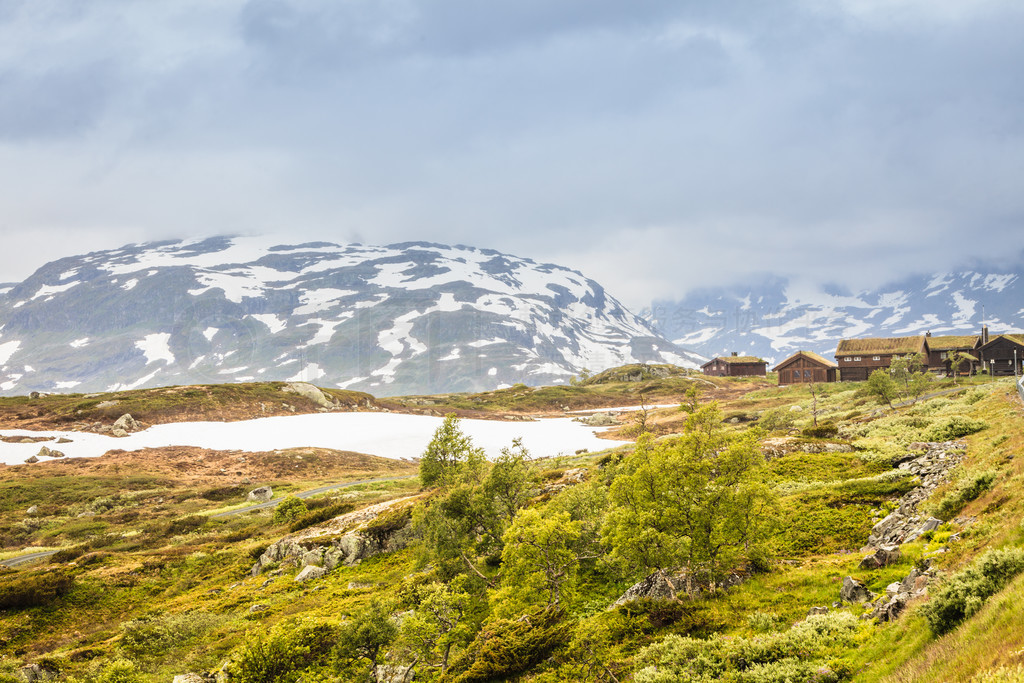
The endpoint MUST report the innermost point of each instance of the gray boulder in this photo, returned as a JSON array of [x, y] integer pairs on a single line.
[[127, 423], [309, 573], [817, 610], [855, 591], [307, 390], [32, 459], [261, 494], [393, 673], [882, 557], [45, 452], [34, 510]]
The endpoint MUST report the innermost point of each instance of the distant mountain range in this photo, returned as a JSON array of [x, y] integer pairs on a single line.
[[398, 319], [773, 319]]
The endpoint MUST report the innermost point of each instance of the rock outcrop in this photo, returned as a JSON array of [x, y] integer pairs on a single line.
[[45, 452], [855, 591], [124, 425], [905, 524], [890, 606], [356, 540], [663, 585], [882, 557]]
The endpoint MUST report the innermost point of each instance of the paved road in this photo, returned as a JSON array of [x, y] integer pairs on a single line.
[[25, 559], [304, 494], [31, 557]]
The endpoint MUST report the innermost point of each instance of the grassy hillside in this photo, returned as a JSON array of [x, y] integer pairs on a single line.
[[149, 584]]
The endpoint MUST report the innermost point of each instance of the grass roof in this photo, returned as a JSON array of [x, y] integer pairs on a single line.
[[1015, 337], [879, 346], [951, 343], [810, 355], [735, 359]]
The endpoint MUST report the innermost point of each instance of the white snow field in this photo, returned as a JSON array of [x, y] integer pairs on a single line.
[[390, 435]]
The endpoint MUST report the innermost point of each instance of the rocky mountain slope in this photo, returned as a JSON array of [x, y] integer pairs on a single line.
[[405, 318], [775, 318]]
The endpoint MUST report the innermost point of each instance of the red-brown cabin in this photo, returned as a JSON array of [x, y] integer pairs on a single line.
[[858, 358], [805, 367], [1004, 354], [941, 350], [736, 366]]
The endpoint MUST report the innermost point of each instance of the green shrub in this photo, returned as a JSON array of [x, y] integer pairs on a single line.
[[1004, 674], [19, 591], [290, 648], [319, 515], [153, 636], [953, 428], [184, 525], [506, 647], [777, 419], [765, 622], [68, 554], [116, 671], [289, 509], [382, 528], [826, 430], [798, 654], [222, 493], [967, 489], [965, 592]]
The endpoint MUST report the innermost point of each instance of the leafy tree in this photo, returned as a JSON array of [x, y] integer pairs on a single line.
[[449, 454], [957, 359], [696, 502], [911, 375], [510, 479], [691, 400], [444, 616], [289, 648], [883, 387], [539, 560], [363, 639]]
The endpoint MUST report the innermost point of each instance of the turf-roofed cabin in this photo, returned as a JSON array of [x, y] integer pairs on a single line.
[[942, 348], [736, 366], [805, 367], [1004, 354], [858, 358]]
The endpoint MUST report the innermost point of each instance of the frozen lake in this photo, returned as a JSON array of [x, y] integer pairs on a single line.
[[390, 435]]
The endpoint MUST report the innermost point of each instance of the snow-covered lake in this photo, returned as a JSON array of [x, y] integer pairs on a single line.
[[390, 435]]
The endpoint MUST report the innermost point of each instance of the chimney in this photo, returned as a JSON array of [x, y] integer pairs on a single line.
[[928, 333], [735, 353], [984, 334]]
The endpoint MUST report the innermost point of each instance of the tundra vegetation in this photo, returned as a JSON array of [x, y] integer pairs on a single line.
[[749, 503]]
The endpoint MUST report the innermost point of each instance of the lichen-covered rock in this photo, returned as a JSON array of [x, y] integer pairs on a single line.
[[855, 591], [882, 557], [261, 494], [127, 423], [309, 573]]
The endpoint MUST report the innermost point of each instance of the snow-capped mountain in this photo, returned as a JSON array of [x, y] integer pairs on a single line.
[[775, 318], [396, 319]]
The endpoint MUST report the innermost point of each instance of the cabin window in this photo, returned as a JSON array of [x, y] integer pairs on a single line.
[[876, 358], [847, 359], [856, 358], [942, 356], [807, 374]]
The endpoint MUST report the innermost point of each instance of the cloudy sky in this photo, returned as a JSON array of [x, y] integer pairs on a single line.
[[656, 145]]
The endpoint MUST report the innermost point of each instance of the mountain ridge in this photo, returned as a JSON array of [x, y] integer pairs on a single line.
[[413, 317]]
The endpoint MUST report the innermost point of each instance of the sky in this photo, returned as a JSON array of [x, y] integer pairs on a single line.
[[654, 145]]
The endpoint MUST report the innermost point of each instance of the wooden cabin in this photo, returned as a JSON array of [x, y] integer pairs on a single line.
[[736, 366], [858, 358], [1004, 354], [805, 367], [942, 348]]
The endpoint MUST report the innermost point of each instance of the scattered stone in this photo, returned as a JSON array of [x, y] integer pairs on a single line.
[[64, 439], [888, 608], [32, 459], [253, 609], [261, 494], [933, 466], [214, 591], [597, 420], [662, 585], [127, 423], [267, 583], [118, 432], [357, 585], [87, 513], [855, 591], [310, 573], [30, 673], [817, 610], [34, 510], [104, 404], [45, 452], [893, 588], [882, 557]]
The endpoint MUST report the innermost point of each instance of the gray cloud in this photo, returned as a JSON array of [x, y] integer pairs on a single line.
[[656, 146]]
